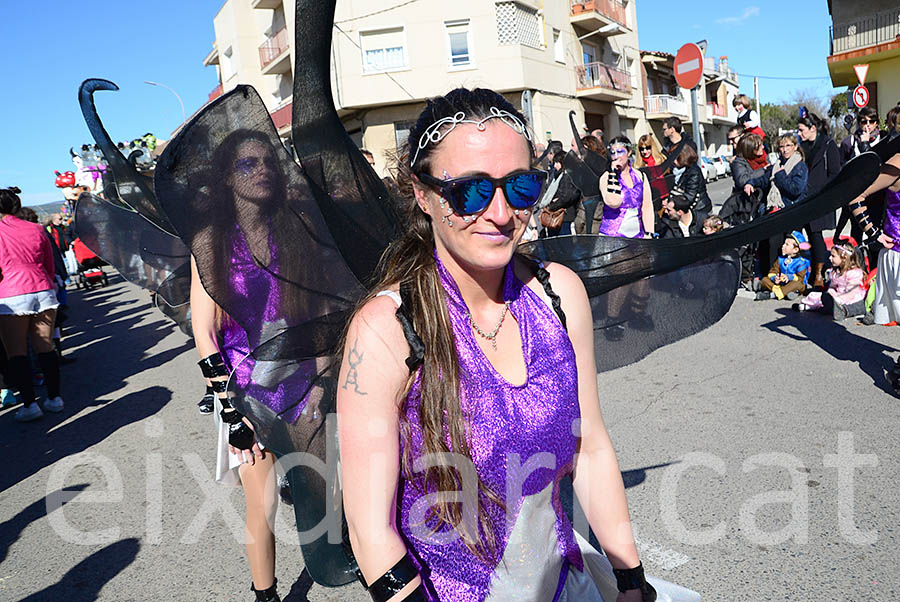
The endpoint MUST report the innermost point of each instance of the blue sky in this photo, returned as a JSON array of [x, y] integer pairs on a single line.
[[772, 38], [49, 47]]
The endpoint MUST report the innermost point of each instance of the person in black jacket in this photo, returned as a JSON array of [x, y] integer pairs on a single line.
[[824, 162], [680, 219], [567, 197], [692, 184]]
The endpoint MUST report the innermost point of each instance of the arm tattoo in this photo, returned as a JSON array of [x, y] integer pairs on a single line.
[[354, 358]]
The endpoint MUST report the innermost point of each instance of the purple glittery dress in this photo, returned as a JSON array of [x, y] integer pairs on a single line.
[[511, 427], [262, 291], [626, 220], [886, 306]]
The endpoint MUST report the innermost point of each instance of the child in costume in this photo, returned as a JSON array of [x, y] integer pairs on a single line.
[[846, 294], [788, 275]]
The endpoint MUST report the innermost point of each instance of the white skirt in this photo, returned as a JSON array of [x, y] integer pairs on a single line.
[[28, 304], [886, 306]]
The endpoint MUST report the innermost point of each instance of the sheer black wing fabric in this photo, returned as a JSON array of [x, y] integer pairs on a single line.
[[361, 214], [142, 253], [261, 231], [131, 188]]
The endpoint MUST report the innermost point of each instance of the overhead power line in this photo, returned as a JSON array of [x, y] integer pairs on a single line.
[[377, 12]]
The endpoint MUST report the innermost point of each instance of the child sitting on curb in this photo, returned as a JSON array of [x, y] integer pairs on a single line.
[[787, 276], [846, 294]]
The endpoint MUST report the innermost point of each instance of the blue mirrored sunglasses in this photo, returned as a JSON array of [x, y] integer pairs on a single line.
[[472, 194]]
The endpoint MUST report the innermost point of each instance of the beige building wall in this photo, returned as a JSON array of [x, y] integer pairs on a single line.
[[389, 57]]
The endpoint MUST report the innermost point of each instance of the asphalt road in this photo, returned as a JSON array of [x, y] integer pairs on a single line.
[[728, 442]]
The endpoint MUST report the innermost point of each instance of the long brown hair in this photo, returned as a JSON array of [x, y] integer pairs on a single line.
[[410, 264]]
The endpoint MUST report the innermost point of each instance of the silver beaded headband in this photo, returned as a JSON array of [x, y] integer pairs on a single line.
[[844, 250], [437, 131]]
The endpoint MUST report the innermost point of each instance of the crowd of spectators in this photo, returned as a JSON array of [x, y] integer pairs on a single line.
[[764, 181]]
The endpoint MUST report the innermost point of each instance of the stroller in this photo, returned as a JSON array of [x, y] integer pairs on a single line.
[[90, 267]]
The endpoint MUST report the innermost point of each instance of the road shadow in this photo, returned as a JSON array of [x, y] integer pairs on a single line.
[[109, 353], [11, 529], [83, 582], [837, 340]]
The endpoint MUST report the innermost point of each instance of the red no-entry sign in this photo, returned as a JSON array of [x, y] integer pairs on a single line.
[[861, 96], [688, 66]]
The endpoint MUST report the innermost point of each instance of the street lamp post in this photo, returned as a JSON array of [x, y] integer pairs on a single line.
[[183, 114]]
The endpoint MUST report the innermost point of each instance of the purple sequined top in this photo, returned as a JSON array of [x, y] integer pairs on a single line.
[[509, 425], [892, 217], [625, 220], [259, 289]]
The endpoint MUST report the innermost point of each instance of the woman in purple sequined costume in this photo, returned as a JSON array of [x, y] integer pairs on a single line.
[[627, 198], [247, 259], [468, 376]]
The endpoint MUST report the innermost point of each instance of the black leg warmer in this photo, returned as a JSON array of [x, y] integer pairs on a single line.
[[49, 362], [18, 376]]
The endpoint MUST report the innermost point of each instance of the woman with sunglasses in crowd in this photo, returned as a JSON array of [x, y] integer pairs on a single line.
[[627, 200], [466, 361]]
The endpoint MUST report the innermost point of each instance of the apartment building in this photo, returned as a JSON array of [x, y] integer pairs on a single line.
[[548, 57], [664, 98], [867, 32]]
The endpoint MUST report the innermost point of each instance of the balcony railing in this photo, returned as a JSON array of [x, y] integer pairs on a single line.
[[866, 31], [613, 9], [600, 75], [716, 110], [663, 103], [217, 92], [282, 117], [272, 48]]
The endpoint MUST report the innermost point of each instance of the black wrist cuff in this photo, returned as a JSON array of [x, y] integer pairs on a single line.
[[627, 579], [219, 386], [231, 417], [240, 435], [213, 366], [210, 390], [394, 580]]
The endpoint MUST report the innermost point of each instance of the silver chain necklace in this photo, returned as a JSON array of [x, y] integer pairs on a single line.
[[492, 335]]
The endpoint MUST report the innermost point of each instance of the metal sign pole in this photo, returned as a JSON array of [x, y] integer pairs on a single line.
[[696, 121]]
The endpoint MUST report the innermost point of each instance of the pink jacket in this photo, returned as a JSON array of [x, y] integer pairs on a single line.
[[847, 288], [26, 260]]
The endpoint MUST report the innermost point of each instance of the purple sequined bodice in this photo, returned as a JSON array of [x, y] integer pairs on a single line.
[[625, 220], [259, 288], [509, 427], [892, 217]]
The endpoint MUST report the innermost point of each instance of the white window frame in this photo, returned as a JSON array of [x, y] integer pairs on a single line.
[[470, 42], [559, 46], [362, 49]]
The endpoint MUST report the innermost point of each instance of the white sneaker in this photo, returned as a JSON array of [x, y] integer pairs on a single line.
[[54, 405], [28, 413]]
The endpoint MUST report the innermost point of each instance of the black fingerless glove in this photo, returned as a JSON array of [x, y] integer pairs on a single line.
[[628, 579], [240, 435]]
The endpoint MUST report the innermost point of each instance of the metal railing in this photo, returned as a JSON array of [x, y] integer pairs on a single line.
[[866, 31], [273, 47], [614, 9], [717, 110], [601, 75], [281, 117], [663, 103]]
